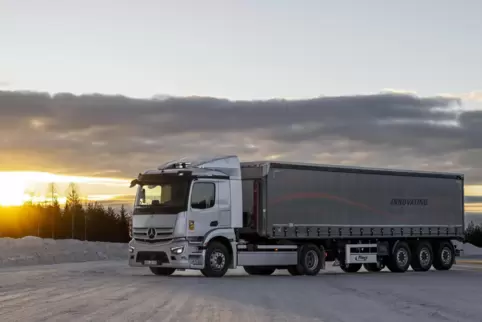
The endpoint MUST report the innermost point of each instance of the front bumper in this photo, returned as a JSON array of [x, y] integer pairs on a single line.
[[166, 254]]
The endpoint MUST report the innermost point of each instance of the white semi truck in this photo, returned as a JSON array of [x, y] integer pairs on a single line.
[[215, 214]]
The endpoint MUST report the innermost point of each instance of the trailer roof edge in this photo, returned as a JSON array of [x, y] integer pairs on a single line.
[[351, 169]]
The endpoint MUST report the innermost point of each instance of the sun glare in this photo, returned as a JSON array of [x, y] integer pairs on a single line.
[[15, 186], [12, 193]]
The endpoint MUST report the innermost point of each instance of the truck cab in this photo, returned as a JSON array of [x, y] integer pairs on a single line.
[[180, 207]]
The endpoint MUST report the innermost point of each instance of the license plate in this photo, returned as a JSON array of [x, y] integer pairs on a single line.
[[150, 262]]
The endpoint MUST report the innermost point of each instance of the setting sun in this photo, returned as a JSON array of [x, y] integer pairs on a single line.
[[12, 192]]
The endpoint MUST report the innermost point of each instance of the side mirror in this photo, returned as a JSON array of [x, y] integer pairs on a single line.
[[134, 183]]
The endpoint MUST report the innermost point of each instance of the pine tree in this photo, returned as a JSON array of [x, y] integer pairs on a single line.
[[123, 225], [73, 206], [54, 212]]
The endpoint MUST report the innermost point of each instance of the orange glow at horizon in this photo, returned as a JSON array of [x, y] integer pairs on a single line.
[[474, 190], [473, 207], [15, 187]]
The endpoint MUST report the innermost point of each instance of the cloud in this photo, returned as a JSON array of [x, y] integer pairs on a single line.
[[475, 96], [99, 134]]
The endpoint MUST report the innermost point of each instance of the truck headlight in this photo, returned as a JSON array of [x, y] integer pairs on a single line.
[[177, 250]]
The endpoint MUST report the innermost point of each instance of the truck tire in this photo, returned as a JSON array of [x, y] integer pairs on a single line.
[[162, 271], [350, 268], [422, 258], [259, 270], [400, 258], [310, 260], [216, 262], [373, 267], [444, 256], [293, 270]]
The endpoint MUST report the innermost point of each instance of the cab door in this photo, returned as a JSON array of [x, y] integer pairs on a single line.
[[203, 214]]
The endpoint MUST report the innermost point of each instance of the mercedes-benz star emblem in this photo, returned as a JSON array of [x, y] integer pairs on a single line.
[[151, 233]]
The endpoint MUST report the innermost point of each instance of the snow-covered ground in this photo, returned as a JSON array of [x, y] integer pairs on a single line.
[[471, 251], [33, 251], [105, 288], [113, 291]]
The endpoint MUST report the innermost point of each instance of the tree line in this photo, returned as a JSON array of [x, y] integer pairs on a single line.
[[89, 221], [92, 221], [473, 234]]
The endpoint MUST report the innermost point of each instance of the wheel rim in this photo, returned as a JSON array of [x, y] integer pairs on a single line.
[[446, 256], [425, 257], [402, 257], [311, 260], [217, 260]]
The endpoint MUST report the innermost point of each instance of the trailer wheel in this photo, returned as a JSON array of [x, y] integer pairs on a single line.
[[162, 271], [422, 258], [216, 262], [259, 270], [374, 267], [444, 256], [350, 268], [293, 270], [400, 258], [310, 260]]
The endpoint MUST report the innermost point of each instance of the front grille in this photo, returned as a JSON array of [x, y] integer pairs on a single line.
[[153, 241], [160, 257], [162, 234]]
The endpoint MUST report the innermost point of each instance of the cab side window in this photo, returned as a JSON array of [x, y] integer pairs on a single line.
[[203, 195]]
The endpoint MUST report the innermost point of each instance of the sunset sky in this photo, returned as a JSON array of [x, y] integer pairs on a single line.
[[367, 83]]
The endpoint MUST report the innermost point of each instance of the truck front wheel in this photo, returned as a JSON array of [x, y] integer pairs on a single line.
[[162, 271], [216, 262]]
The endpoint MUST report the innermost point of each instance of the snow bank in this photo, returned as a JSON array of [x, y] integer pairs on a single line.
[[36, 251], [471, 250]]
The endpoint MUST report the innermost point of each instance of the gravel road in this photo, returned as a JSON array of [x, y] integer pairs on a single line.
[[111, 291]]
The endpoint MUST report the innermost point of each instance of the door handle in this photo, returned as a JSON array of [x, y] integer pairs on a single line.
[[214, 223]]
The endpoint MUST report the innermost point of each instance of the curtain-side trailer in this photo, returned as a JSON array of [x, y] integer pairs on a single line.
[[219, 213]]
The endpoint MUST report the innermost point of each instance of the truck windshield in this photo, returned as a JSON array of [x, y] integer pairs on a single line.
[[171, 197]]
